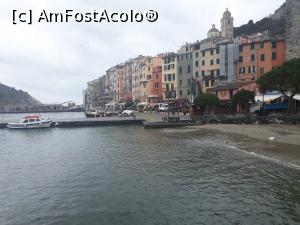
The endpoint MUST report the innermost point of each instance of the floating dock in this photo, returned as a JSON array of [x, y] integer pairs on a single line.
[[92, 122], [108, 121]]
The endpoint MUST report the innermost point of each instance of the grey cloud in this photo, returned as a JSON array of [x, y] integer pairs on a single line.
[[53, 62]]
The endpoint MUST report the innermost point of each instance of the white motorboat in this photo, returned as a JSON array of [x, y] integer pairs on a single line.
[[29, 122]]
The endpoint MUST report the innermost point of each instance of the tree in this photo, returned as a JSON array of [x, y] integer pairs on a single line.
[[285, 79], [244, 98], [206, 100]]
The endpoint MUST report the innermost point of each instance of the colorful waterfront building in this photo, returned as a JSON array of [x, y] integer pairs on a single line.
[[135, 80], [120, 73], [197, 77], [210, 60], [154, 85], [184, 71], [259, 54], [145, 76], [127, 82], [169, 76], [111, 74]]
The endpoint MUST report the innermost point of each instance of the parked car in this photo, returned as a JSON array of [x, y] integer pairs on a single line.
[[163, 107], [127, 113]]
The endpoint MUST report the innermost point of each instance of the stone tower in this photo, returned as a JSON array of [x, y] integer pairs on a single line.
[[293, 29], [227, 25]]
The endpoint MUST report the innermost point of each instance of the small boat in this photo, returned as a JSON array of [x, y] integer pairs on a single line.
[[29, 122]]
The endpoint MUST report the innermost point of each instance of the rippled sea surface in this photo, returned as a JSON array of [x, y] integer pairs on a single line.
[[128, 175]]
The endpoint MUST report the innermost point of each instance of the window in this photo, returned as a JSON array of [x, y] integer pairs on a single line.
[[206, 83], [173, 77], [253, 69], [165, 77], [203, 73], [197, 63], [180, 70], [241, 59], [274, 55], [196, 74], [252, 57], [188, 92], [211, 52], [169, 77], [172, 87], [156, 76], [149, 77], [274, 44], [203, 54], [189, 69], [241, 70], [189, 82], [261, 71], [252, 46], [203, 62], [180, 83], [218, 72], [262, 44], [148, 68], [212, 72], [262, 57], [241, 48], [167, 87], [218, 61], [196, 54], [180, 92], [249, 69], [211, 62], [217, 50]]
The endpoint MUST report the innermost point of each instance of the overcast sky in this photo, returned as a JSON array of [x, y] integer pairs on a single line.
[[53, 62]]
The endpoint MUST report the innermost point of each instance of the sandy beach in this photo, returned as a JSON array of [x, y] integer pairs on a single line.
[[288, 134]]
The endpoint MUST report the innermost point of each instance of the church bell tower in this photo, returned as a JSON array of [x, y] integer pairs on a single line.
[[227, 25]]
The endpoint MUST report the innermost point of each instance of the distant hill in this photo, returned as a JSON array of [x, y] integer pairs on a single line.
[[275, 24], [11, 97]]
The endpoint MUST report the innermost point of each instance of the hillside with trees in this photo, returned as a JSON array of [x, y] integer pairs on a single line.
[[11, 96], [274, 24]]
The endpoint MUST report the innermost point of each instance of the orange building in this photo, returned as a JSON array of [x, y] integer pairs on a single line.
[[259, 54], [154, 86]]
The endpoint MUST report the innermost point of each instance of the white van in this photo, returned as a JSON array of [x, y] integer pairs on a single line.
[[163, 107]]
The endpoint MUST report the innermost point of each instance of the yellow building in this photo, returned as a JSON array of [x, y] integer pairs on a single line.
[[145, 76], [210, 58]]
